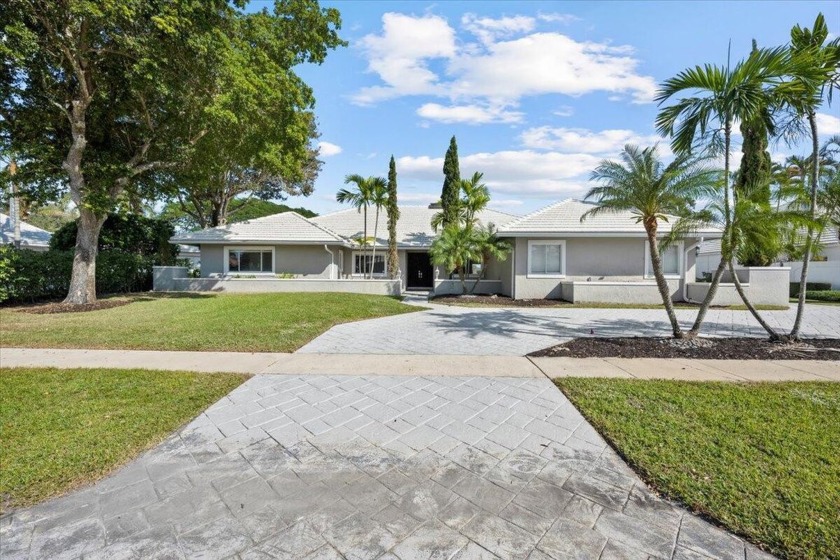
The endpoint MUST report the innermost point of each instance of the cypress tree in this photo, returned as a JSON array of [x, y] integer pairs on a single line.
[[393, 211], [450, 194]]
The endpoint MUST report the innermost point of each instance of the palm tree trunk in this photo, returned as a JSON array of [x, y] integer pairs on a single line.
[[710, 296], [806, 257], [463, 277], [661, 282], [364, 248], [740, 289], [480, 277], [375, 232]]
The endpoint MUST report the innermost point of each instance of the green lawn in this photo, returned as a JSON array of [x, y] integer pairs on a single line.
[[224, 322], [63, 428], [762, 459]]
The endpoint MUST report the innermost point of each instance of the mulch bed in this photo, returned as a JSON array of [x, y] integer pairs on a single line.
[[500, 301], [698, 348], [60, 307]]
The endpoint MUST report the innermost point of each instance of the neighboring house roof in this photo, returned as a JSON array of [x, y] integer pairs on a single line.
[[30, 236], [287, 228], [565, 218], [414, 228]]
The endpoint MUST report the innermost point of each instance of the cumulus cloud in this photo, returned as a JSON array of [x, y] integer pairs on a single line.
[[524, 173], [327, 149], [827, 125], [558, 18], [468, 114], [512, 60], [587, 141]]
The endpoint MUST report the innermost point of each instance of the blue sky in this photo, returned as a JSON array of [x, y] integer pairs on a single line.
[[535, 92]]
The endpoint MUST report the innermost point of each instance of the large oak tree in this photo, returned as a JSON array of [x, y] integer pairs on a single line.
[[105, 98]]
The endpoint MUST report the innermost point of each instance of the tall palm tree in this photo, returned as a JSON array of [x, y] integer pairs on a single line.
[[360, 197], [814, 77], [378, 199], [643, 185], [711, 99]]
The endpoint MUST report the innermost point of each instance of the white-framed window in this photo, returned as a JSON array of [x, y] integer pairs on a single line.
[[672, 260], [547, 258], [361, 263], [249, 260]]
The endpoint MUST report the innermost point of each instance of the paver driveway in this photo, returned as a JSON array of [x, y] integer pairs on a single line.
[[482, 331], [374, 467]]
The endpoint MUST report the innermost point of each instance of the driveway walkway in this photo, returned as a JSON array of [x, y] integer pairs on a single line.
[[374, 467], [516, 332]]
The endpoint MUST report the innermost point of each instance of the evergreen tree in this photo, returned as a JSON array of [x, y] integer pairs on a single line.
[[393, 216], [451, 184]]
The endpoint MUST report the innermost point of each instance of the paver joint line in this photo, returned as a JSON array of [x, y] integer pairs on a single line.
[[337, 466]]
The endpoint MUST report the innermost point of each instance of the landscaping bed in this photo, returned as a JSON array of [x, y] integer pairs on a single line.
[[60, 429], [760, 458], [699, 348], [268, 322]]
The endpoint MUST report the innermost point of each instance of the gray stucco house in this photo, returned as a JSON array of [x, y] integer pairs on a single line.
[[604, 258]]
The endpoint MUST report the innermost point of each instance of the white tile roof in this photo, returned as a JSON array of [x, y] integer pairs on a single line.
[[284, 228], [414, 228], [30, 236], [830, 236], [565, 218]]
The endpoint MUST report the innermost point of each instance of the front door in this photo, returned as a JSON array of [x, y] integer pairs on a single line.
[[420, 272]]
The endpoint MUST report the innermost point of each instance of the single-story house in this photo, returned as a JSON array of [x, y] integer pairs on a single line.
[[824, 269], [604, 258], [31, 237]]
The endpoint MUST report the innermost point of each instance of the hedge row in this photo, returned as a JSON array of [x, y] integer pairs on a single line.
[[27, 276], [812, 287], [824, 295]]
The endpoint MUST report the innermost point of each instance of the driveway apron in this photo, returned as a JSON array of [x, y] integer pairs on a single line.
[[387, 467]]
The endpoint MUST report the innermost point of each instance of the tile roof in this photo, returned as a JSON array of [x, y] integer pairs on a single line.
[[830, 236], [284, 228], [565, 217], [414, 228], [30, 236]]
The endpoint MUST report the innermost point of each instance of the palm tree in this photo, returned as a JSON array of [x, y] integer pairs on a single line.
[[713, 98], [489, 245], [378, 199], [643, 185], [454, 248], [814, 76], [360, 197], [474, 197]]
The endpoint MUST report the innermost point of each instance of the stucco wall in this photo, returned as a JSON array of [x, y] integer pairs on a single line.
[[212, 260], [446, 287], [300, 260], [763, 286], [617, 292], [824, 271]]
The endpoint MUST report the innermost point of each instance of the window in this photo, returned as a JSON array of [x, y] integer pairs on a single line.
[[361, 264], [671, 261], [250, 260], [547, 258]]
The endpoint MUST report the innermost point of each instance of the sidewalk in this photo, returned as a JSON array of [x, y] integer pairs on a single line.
[[427, 365]]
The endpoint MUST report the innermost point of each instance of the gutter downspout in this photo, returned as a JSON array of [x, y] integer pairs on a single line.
[[685, 270], [332, 261]]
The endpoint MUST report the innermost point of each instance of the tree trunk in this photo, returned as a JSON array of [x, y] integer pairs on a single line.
[[375, 232], [740, 289], [83, 278], [661, 282], [364, 248], [710, 296], [806, 257], [14, 205], [463, 278]]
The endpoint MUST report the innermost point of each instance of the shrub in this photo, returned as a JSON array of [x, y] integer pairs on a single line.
[[128, 233], [28, 276], [812, 287], [824, 295]]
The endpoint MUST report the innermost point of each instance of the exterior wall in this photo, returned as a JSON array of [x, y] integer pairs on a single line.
[[506, 273], [610, 257], [301, 260], [448, 287], [818, 271], [763, 286], [617, 292]]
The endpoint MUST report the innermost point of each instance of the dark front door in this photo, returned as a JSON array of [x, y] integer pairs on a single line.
[[420, 273]]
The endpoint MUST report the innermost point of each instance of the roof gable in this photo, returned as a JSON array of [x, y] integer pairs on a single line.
[[284, 228]]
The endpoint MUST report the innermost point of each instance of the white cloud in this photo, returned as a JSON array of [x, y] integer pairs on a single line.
[[558, 18], [565, 111], [502, 69], [489, 30], [586, 141], [400, 55], [468, 114], [327, 149], [827, 125], [518, 172]]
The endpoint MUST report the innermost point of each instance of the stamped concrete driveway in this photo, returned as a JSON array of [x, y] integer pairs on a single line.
[[495, 332], [374, 467]]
